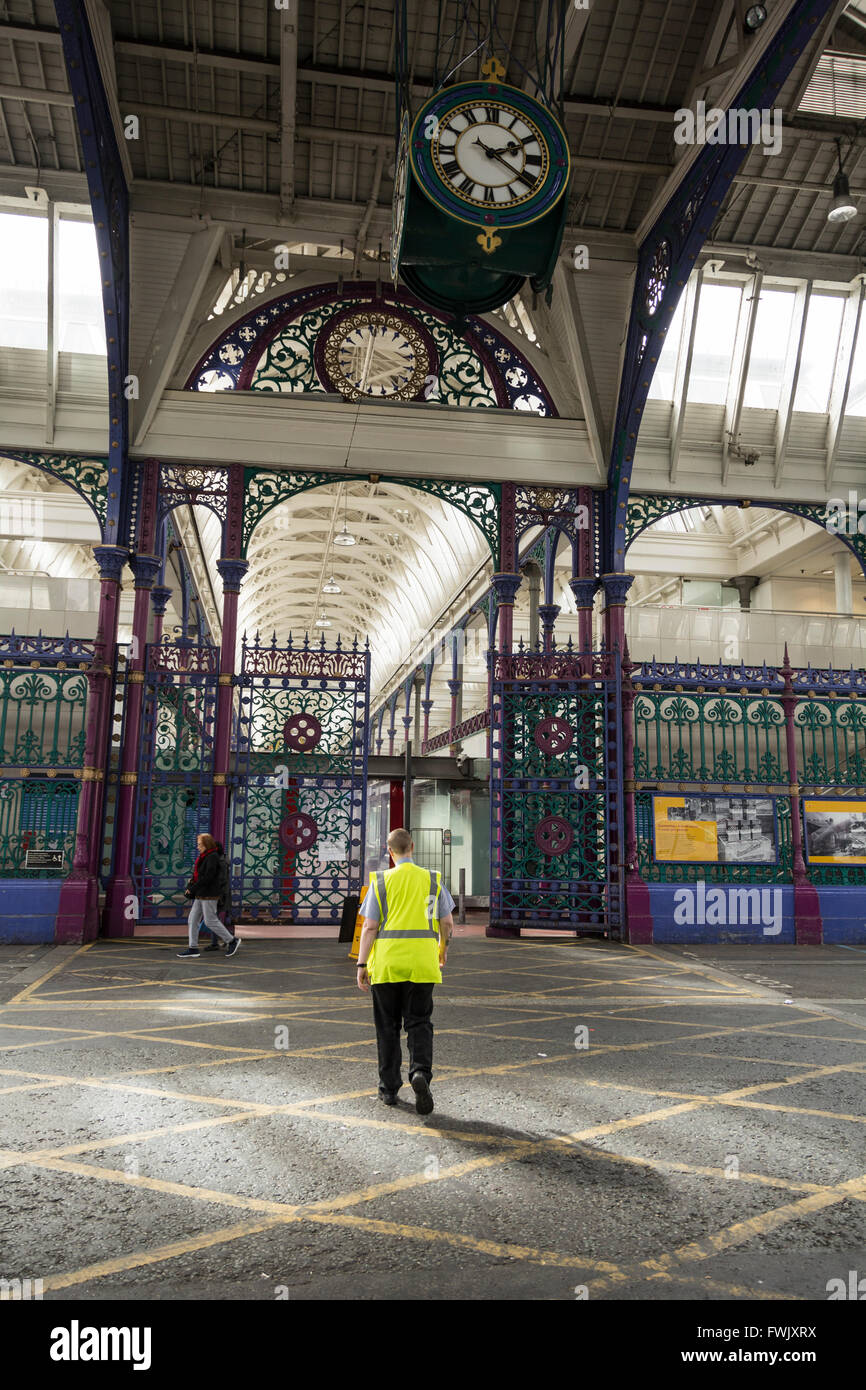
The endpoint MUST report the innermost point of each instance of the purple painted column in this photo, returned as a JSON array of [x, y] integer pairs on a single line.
[[78, 907], [616, 587], [159, 597], [505, 587], [584, 594], [121, 911], [808, 926], [638, 911], [232, 573], [548, 613]]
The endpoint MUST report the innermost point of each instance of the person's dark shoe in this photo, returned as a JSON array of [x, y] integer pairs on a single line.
[[388, 1097], [423, 1099], [188, 954], [214, 946], [233, 946]]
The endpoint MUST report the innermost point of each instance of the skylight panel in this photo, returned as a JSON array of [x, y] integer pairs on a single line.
[[838, 87], [769, 345], [714, 343], [820, 344], [23, 281]]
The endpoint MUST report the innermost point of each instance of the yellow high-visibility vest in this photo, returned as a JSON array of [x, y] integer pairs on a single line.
[[407, 941]]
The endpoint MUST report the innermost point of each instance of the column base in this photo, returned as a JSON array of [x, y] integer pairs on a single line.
[[638, 914], [78, 911], [808, 924], [121, 908], [510, 932]]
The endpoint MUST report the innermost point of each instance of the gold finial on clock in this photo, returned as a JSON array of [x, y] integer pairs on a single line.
[[491, 67], [488, 240]]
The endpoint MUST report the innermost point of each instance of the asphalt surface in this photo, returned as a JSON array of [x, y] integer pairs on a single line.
[[611, 1123]]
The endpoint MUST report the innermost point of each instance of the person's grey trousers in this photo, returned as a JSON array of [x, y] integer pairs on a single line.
[[205, 908]]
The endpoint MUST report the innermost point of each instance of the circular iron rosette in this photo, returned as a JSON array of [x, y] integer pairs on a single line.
[[553, 736], [298, 833], [301, 732], [553, 836]]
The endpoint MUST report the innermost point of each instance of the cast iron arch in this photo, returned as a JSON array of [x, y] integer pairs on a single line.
[[645, 510]]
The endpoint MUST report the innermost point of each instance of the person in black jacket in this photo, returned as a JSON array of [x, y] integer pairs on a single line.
[[224, 901], [209, 875]]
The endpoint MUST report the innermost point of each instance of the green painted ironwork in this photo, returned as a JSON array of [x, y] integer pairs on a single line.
[[644, 509], [37, 813], [709, 738], [42, 717], [266, 489], [831, 742], [647, 508], [302, 759], [652, 872], [88, 476]]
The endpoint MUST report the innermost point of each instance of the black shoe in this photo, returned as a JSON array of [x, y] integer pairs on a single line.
[[233, 945], [388, 1097], [423, 1099], [188, 954], [214, 946]]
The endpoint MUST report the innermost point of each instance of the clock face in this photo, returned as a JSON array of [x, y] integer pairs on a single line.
[[489, 155], [398, 204]]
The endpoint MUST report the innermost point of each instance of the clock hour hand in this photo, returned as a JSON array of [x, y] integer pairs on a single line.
[[495, 154]]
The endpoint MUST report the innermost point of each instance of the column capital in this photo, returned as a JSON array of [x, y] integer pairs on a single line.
[[548, 613], [454, 687], [146, 569], [505, 586], [111, 560], [616, 587], [159, 597], [583, 590], [232, 573]]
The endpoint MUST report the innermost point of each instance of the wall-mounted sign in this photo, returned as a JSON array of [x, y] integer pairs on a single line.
[[699, 829], [332, 851], [835, 831], [43, 859]]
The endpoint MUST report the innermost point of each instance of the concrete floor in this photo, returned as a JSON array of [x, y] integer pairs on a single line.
[[162, 1138]]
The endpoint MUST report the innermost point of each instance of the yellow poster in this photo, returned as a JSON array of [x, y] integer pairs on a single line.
[[835, 831], [679, 840]]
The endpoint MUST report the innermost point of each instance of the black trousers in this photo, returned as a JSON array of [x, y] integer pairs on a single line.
[[410, 1006]]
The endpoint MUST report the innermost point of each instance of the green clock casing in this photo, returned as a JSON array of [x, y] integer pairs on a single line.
[[488, 155]]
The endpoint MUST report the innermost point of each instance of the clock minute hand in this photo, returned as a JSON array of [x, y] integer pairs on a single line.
[[494, 154]]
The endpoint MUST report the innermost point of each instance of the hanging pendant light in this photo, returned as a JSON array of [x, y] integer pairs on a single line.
[[332, 587], [344, 537], [842, 208], [322, 621]]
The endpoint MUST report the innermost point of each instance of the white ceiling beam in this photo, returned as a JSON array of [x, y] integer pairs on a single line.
[[684, 367], [52, 322], [739, 369], [848, 339], [580, 357], [171, 328], [790, 377]]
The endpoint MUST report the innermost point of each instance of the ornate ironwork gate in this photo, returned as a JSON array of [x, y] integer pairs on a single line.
[[556, 791], [43, 702], [299, 809], [175, 774]]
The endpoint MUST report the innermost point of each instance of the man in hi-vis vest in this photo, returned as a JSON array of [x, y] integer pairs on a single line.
[[407, 926]]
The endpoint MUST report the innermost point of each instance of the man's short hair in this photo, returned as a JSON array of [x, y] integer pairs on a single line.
[[399, 842]]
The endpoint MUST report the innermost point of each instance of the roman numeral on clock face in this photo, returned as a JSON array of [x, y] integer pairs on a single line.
[[493, 114]]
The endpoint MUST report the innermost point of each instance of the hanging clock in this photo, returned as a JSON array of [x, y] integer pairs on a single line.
[[489, 155], [479, 195]]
